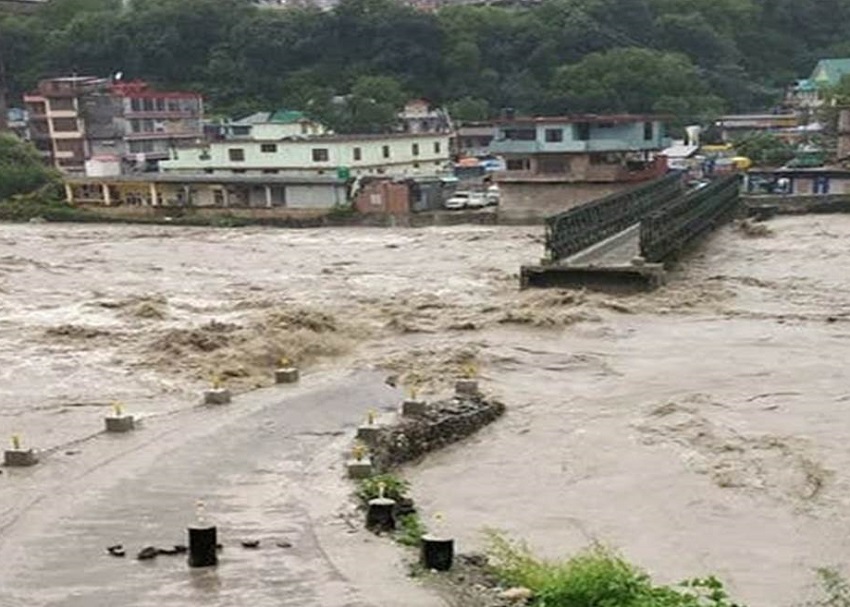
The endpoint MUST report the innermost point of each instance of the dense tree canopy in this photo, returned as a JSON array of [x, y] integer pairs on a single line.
[[21, 169], [691, 58]]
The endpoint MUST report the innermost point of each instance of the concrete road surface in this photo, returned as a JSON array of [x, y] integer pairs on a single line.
[[266, 466]]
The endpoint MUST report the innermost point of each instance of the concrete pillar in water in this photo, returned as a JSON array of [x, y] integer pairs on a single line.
[[413, 407], [437, 553], [120, 423], [286, 375], [466, 387], [17, 456], [359, 468], [203, 541], [217, 396]]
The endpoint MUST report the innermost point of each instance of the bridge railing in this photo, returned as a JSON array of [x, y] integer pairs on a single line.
[[572, 231], [669, 228]]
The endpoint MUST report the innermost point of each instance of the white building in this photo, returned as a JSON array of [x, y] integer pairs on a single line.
[[274, 149]]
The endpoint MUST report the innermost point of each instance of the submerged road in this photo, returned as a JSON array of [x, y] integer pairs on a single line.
[[261, 467]]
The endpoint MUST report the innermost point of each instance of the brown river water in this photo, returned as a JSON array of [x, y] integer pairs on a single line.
[[698, 429]]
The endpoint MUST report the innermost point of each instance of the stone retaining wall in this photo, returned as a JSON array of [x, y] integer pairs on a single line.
[[443, 423]]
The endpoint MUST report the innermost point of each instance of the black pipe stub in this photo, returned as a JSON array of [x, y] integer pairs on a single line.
[[380, 516], [203, 546], [437, 553]]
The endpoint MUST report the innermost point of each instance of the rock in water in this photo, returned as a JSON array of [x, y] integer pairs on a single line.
[[147, 553], [250, 543]]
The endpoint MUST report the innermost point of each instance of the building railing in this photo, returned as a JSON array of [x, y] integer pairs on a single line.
[[671, 227], [569, 232]]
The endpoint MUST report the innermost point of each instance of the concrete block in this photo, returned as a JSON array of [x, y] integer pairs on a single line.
[[120, 423], [412, 407], [466, 387], [217, 396], [20, 457], [358, 469], [368, 434], [286, 375]]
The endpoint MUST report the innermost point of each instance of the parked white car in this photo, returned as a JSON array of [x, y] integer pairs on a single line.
[[477, 200], [459, 200]]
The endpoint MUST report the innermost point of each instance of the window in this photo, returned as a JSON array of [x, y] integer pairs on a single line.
[[415, 149], [554, 135], [320, 155], [519, 134], [581, 131], [386, 151], [268, 148], [208, 171], [64, 125], [358, 154], [647, 131], [549, 164], [147, 105], [238, 171], [160, 104], [518, 164], [270, 171], [136, 105], [236, 154], [436, 147], [61, 104]]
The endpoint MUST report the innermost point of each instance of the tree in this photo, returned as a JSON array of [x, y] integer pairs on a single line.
[[633, 80], [765, 149], [21, 168], [469, 109]]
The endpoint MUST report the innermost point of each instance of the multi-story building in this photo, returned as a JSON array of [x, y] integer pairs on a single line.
[[283, 148], [555, 163], [419, 116], [474, 139], [75, 119]]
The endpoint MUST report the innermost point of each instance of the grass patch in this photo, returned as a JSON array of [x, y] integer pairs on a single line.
[[596, 577], [410, 530]]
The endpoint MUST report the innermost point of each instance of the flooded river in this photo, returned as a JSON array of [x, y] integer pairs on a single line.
[[699, 429]]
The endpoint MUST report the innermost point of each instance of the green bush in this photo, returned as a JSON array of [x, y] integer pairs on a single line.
[[596, 577], [410, 530], [394, 487]]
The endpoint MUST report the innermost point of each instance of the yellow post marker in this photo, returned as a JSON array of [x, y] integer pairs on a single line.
[[285, 362], [371, 415], [117, 409], [359, 451], [16, 442], [216, 381], [382, 487]]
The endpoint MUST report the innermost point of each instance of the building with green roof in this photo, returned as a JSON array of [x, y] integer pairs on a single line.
[[829, 72]]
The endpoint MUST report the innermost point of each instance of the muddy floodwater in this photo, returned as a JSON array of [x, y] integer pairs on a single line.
[[699, 429]]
